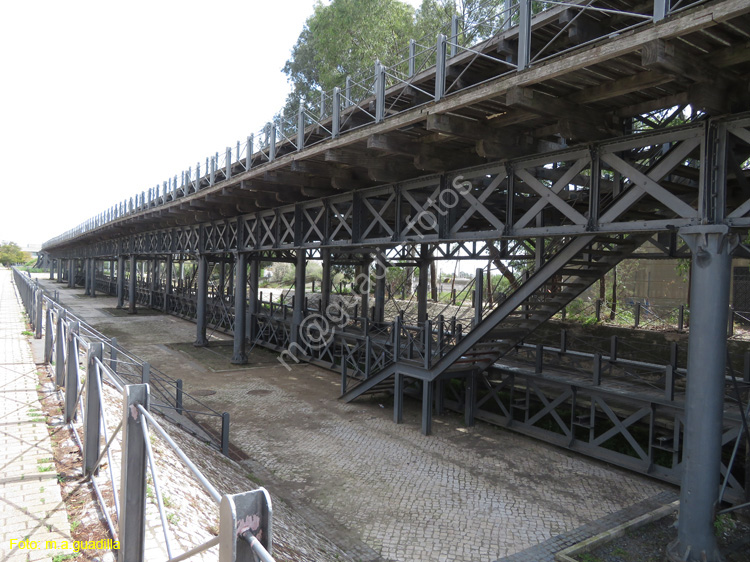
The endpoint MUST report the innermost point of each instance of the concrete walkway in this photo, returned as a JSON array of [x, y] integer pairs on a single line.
[[31, 507]]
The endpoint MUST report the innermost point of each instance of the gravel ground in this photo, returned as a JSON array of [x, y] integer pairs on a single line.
[[648, 543]]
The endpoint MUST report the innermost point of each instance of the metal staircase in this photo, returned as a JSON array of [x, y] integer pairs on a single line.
[[570, 271]]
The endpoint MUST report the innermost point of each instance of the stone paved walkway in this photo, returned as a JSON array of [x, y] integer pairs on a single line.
[[460, 495], [31, 506]]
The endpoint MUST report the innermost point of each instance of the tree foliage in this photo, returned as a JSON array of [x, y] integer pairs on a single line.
[[11, 254], [346, 37]]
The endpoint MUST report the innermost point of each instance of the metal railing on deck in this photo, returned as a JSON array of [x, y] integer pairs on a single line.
[[511, 37]]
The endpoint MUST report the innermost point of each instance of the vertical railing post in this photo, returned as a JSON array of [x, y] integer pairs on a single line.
[[524, 34], [212, 172], [178, 396], [38, 314], [440, 57], [146, 373], [60, 344], [48, 336], [228, 169], [336, 115], [72, 376], [300, 126], [454, 35], [225, 434], [240, 515], [379, 92], [113, 355], [249, 152], [132, 519], [272, 143], [661, 9], [92, 429], [427, 346], [478, 295], [412, 57]]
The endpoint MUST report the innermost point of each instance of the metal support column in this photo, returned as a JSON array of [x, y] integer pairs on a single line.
[[711, 248], [93, 277], [325, 283], [168, 266], [252, 309], [87, 276], [200, 310], [131, 286], [299, 296], [239, 356], [364, 289], [380, 273], [71, 273], [424, 275], [428, 397]]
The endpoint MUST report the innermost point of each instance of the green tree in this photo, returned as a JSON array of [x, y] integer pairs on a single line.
[[11, 254], [344, 38]]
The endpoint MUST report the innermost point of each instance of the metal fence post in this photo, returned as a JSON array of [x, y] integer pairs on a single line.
[[92, 429], [228, 169], [71, 373], [145, 373], [178, 396], [539, 358], [454, 35], [524, 34], [300, 127], [379, 92], [48, 337], [336, 115], [637, 320], [38, 316], [412, 56], [245, 519], [60, 350], [113, 355], [133, 478], [249, 152], [272, 144], [225, 434], [440, 67], [478, 295], [661, 9], [597, 375]]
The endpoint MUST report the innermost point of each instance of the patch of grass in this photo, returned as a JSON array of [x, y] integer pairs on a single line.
[[166, 500], [173, 518], [74, 524], [42, 461], [723, 524], [588, 557], [44, 468], [64, 557], [27, 333]]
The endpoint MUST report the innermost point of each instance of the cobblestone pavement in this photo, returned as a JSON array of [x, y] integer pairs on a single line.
[[462, 494], [31, 505]]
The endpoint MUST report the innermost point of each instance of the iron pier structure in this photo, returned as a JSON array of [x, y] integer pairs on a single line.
[[575, 136]]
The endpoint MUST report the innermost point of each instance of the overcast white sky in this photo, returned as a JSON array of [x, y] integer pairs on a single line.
[[100, 100]]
